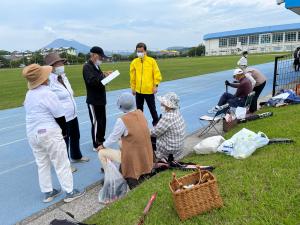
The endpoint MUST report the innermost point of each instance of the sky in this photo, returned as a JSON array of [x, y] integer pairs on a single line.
[[119, 25]]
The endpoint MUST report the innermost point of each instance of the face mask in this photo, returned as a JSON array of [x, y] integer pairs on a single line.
[[140, 54], [98, 62], [59, 70]]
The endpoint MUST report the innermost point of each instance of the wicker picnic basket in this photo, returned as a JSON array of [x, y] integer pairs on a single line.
[[200, 198]]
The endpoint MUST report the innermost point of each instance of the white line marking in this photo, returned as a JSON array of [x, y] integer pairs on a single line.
[[29, 163], [12, 142], [4, 128]]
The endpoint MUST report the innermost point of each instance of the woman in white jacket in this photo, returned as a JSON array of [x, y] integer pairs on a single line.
[[60, 85]]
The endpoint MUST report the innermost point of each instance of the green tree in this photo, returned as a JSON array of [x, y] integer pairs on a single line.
[[197, 51]]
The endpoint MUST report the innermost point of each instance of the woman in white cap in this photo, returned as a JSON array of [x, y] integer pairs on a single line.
[[60, 85], [170, 130], [131, 129], [46, 126]]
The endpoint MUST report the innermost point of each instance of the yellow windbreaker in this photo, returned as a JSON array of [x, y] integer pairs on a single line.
[[144, 75]]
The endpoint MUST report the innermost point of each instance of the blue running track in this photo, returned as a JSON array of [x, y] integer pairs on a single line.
[[20, 195]]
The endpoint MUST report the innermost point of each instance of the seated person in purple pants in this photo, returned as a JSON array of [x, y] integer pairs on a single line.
[[244, 88]]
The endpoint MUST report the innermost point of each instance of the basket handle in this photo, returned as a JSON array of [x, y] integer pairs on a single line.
[[200, 177], [203, 178], [175, 180]]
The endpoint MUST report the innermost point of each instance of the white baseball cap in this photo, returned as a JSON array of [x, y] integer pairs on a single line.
[[238, 72]]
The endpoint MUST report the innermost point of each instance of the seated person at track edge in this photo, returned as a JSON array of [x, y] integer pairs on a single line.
[[136, 155], [244, 88], [170, 129]]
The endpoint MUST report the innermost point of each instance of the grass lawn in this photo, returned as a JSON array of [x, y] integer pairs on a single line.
[[262, 189], [13, 86]]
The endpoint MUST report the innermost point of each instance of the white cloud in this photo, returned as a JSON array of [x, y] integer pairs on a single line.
[[49, 29], [119, 24]]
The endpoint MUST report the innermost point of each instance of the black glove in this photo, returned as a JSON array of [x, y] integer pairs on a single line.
[[227, 82]]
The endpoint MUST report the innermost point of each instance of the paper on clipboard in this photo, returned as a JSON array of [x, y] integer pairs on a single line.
[[110, 77]]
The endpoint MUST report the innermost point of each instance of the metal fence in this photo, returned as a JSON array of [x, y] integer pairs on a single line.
[[285, 76]]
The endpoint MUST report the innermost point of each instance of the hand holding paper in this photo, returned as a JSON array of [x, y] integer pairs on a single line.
[[110, 77]]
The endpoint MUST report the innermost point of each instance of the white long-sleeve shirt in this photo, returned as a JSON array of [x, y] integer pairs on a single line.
[[64, 94]]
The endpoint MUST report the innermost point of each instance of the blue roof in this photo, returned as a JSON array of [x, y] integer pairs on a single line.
[[267, 29]]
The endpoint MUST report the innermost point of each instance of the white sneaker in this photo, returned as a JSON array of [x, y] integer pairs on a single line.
[[214, 109]]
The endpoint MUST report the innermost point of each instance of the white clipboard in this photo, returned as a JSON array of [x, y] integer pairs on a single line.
[[110, 77]]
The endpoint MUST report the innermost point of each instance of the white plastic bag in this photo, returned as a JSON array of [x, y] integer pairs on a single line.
[[240, 113], [114, 187], [243, 143], [209, 145]]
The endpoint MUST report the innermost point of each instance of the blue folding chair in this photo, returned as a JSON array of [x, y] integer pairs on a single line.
[[213, 120]]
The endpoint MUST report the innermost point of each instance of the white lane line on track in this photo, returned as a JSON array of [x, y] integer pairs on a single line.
[[30, 162], [22, 139]]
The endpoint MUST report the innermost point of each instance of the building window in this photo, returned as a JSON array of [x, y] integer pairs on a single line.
[[223, 42], [243, 40], [265, 39], [232, 41], [277, 38], [253, 40], [291, 36]]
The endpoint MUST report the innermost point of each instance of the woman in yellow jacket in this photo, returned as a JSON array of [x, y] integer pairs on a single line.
[[145, 77]]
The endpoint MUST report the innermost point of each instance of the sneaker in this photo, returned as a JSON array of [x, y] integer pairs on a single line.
[[49, 196], [73, 195], [73, 169], [82, 160], [214, 109]]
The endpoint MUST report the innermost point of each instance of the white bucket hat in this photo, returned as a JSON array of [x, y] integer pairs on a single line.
[[171, 100]]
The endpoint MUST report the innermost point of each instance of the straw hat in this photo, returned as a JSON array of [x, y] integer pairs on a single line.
[[36, 75], [171, 100], [53, 58]]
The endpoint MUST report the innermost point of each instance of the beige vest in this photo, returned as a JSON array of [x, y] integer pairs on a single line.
[[137, 153]]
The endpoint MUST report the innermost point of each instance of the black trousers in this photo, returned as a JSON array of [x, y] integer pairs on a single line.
[[258, 90], [72, 139], [150, 99], [231, 100], [98, 120]]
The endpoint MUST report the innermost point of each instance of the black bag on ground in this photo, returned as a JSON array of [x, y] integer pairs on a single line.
[[66, 222]]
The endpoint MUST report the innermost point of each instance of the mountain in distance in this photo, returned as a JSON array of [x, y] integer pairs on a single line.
[[79, 47], [178, 48]]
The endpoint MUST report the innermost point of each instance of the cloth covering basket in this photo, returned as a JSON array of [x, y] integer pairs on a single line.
[[202, 197]]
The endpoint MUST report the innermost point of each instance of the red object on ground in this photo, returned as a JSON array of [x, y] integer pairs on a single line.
[[147, 209]]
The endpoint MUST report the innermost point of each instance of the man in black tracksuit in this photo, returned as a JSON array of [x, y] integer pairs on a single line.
[[96, 94]]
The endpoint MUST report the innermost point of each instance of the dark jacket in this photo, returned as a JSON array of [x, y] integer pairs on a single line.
[[244, 88], [95, 90]]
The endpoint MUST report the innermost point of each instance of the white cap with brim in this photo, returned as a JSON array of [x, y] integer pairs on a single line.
[[238, 72]]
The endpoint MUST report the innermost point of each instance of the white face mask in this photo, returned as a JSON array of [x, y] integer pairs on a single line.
[[59, 70], [98, 62], [140, 54]]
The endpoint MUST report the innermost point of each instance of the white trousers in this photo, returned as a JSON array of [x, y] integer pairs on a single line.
[[113, 155], [48, 148]]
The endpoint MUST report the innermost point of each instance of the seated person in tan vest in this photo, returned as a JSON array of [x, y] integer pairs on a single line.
[[136, 155]]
